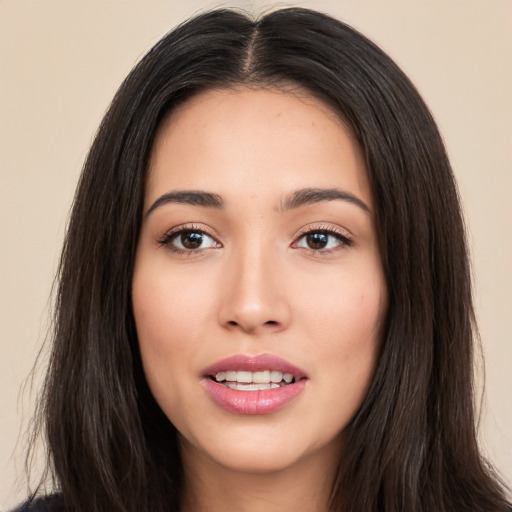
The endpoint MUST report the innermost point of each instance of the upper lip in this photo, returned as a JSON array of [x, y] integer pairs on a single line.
[[254, 363]]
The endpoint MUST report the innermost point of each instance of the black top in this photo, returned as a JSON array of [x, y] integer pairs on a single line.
[[51, 503]]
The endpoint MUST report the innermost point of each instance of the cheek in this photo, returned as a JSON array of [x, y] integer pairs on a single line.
[[168, 307], [344, 324], [166, 325], [154, 311], [350, 308]]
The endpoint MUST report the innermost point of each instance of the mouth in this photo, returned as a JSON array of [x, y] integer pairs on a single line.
[[260, 384], [253, 381]]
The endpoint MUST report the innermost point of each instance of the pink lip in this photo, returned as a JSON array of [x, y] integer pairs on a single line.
[[253, 402], [254, 364]]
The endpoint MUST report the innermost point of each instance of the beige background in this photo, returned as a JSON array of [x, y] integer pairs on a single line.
[[60, 64]]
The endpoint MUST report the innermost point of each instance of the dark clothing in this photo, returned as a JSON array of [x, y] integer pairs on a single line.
[[52, 503]]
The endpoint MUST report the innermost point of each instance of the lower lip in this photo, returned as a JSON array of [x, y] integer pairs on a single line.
[[253, 402]]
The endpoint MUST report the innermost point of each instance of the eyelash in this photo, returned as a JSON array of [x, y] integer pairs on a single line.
[[167, 239], [342, 237]]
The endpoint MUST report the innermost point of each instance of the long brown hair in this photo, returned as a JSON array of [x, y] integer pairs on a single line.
[[412, 445]]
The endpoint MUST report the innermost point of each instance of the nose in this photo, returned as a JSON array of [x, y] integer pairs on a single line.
[[254, 297]]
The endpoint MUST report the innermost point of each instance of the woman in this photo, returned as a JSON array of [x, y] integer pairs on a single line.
[[264, 292]]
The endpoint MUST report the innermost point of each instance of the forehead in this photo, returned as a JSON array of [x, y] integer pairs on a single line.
[[245, 139]]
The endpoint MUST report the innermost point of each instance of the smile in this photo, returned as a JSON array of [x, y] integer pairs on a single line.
[[254, 381], [253, 384]]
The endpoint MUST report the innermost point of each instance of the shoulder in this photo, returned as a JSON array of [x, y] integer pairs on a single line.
[[52, 503]]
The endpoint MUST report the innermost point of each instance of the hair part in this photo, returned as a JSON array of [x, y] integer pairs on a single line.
[[412, 445]]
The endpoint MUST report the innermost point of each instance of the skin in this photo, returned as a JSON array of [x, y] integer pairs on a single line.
[[255, 286]]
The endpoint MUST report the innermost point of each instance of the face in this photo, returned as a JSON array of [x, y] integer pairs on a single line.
[[258, 290]]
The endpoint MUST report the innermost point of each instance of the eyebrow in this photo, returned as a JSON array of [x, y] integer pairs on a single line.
[[307, 196], [302, 197], [192, 197]]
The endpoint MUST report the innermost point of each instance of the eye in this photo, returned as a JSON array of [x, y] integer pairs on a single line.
[[188, 239], [322, 240]]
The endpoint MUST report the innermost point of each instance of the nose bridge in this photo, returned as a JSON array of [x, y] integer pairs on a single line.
[[254, 297]]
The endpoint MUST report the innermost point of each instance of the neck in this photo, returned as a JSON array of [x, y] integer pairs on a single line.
[[210, 487]]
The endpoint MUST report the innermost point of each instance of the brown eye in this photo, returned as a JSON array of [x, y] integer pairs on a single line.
[[191, 240], [318, 240], [322, 240], [186, 240]]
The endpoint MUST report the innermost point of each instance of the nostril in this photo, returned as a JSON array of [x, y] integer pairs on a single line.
[[252, 323]]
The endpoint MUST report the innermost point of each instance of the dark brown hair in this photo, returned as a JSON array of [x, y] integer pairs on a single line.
[[412, 445]]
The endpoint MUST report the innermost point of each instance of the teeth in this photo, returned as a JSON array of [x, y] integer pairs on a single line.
[[244, 377], [276, 376], [221, 376], [260, 378], [251, 387]]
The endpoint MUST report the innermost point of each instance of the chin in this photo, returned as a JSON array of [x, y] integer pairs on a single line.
[[261, 449]]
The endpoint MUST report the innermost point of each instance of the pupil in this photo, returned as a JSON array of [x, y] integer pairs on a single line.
[[316, 240], [191, 240]]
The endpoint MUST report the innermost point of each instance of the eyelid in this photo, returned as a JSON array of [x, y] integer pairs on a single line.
[[166, 239], [345, 237], [329, 228]]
